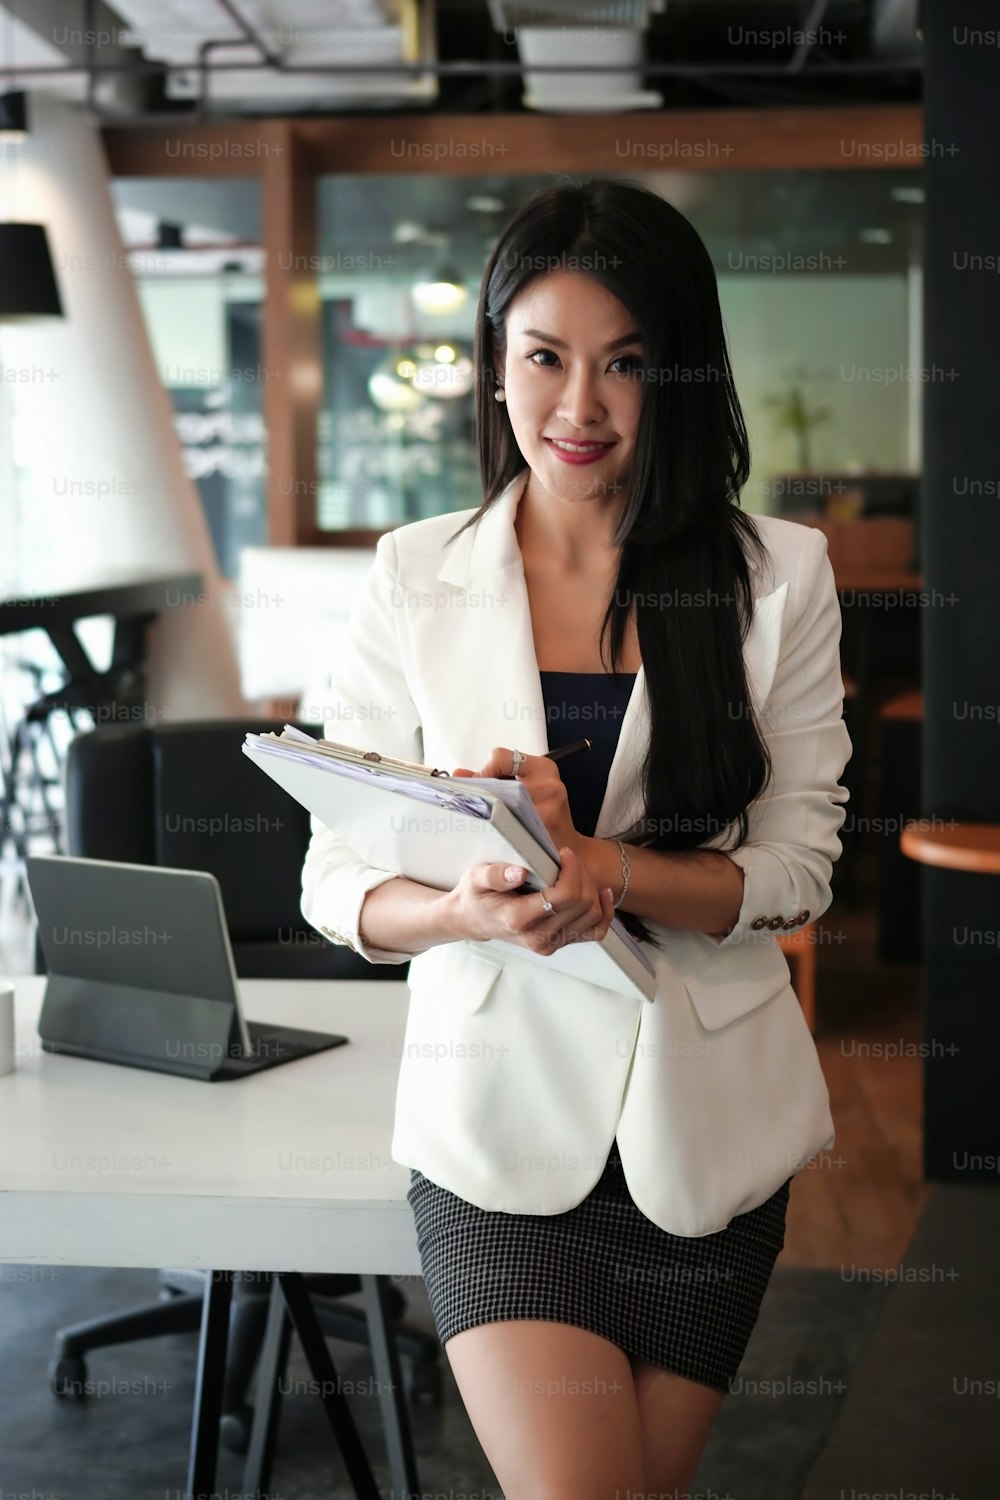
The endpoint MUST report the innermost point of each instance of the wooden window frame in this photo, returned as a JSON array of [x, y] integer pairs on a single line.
[[288, 156]]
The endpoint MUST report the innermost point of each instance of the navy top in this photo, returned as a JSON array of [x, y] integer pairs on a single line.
[[585, 705]]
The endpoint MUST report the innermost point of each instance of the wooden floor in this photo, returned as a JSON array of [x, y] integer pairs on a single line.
[[856, 1205]]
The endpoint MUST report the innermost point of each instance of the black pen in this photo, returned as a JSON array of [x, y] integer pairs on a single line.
[[563, 752]]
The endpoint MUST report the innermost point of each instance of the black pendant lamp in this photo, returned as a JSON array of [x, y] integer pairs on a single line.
[[28, 286]]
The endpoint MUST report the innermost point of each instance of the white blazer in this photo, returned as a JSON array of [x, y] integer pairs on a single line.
[[513, 1083]]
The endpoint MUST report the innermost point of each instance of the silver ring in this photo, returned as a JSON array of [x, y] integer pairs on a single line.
[[547, 906], [518, 760]]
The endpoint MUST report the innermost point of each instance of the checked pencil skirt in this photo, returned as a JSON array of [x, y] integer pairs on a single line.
[[687, 1304]]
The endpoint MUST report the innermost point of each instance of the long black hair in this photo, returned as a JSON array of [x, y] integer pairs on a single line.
[[685, 544]]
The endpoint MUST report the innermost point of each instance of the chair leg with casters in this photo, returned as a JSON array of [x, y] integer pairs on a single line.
[[179, 1311], [68, 1369]]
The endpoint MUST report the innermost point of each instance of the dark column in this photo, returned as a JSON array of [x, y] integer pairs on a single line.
[[960, 535]]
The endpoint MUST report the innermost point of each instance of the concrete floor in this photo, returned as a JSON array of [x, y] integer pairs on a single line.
[[920, 1420], [129, 1438]]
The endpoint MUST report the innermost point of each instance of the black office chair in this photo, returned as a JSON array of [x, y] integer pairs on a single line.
[[185, 795], [181, 795]]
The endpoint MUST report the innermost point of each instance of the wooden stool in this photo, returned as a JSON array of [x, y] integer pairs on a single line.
[[967, 846], [799, 948]]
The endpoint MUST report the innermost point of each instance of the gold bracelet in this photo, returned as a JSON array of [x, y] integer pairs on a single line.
[[625, 873]]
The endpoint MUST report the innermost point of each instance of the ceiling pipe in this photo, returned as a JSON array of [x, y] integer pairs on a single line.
[[270, 60], [249, 33], [491, 67], [488, 67]]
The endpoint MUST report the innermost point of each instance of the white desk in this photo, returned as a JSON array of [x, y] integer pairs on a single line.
[[287, 1170]]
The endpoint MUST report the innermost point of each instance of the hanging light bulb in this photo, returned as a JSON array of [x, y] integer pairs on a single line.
[[444, 379], [442, 292], [389, 385]]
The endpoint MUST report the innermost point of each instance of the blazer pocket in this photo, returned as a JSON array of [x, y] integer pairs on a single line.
[[735, 983], [455, 976]]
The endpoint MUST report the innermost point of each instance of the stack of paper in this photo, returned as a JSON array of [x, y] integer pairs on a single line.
[[432, 827]]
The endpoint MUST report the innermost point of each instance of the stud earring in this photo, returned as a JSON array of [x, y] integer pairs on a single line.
[[499, 394]]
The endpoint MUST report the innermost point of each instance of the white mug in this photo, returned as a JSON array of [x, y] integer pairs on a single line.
[[7, 1052]]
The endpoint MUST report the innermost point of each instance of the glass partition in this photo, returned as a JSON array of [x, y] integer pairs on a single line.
[[194, 249], [818, 276]]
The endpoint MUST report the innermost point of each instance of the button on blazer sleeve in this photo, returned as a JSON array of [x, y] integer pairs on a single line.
[[793, 830], [370, 705]]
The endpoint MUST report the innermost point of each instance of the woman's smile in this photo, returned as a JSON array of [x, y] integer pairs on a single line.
[[577, 453]]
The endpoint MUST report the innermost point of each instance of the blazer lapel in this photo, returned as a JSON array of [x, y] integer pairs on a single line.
[[493, 646], [496, 651], [622, 804]]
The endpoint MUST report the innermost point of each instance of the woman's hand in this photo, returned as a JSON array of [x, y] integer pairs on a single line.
[[546, 788], [484, 905]]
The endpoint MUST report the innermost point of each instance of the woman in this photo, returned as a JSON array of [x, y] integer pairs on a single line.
[[599, 1183]]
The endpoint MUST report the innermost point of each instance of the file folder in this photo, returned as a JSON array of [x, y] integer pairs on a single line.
[[431, 827]]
